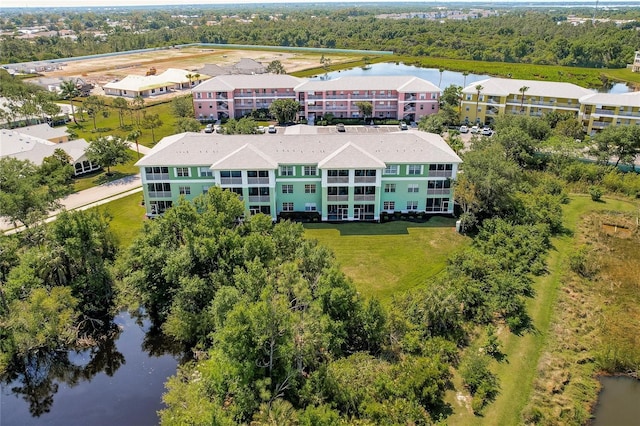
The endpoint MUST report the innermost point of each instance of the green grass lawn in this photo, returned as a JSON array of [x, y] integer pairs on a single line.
[[127, 217], [387, 258], [523, 352], [99, 177], [111, 124]]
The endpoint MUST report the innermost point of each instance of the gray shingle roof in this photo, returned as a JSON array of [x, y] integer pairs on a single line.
[[202, 149], [25, 147]]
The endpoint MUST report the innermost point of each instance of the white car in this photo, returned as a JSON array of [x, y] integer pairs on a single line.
[[486, 131], [475, 129], [272, 129], [464, 129]]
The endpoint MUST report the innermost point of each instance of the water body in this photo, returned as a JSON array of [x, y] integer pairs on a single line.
[[432, 75], [120, 382], [618, 403]]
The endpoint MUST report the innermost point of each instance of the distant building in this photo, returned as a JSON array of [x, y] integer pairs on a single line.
[[635, 67], [14, 143], [153, 85], [46, 132], [52, 84], [244, 66]]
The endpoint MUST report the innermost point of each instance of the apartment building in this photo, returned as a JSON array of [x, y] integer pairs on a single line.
[[635, 67], [399, 97], [483, 101], [342, 177], [601, 110]]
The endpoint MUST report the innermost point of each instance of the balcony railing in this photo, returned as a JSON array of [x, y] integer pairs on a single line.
[[258, 180], [337, 198], [603, 111], [231, 181], [157, 176], [312, 97], [364, 179], [259, 199], [364, 197], [385, 107], [629, 113], [337, 179], [440, 173], [159, 194], [600, 124], [438, 191]]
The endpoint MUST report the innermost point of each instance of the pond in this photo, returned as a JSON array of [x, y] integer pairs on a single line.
[[618, 402], [432, 75], [121, 381]]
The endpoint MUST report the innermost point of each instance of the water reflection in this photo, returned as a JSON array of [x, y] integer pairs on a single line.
[[119, 381]]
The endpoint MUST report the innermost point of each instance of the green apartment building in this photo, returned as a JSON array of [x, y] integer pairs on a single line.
[[342, 177]]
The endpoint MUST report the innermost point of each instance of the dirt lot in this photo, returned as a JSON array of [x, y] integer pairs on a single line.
[[100, 71]]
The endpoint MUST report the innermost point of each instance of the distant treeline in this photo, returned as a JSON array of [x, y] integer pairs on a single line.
[[520, 35]]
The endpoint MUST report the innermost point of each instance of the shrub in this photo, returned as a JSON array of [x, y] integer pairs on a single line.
[[479, 380], [595, 192]]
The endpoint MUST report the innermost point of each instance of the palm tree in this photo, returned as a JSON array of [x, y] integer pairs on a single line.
[[190, 77], [134, 136], [464, 81], [196, 76], [69, 90], [478, 90], [440, 70], [522, 90]]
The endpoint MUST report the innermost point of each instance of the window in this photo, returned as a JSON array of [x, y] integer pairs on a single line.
[[389, 205], [287, 171], [287, 207], [159, 189], [184, 190], [257, 173], [205, 189], [310, 188], [336, 173], [183, 172], [412, 205], [158, 207], [389, 187], [361, 173], [205, 171], [413, 187], [414, 169], [310, 207], [310, 171], [287, 189], [230, 174], [392, 169]]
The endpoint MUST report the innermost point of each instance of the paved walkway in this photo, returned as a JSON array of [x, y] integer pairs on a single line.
[[94, 196]]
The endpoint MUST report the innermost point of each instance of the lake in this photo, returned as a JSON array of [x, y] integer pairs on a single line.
[[120, 382], [432, 75], [618, 402]]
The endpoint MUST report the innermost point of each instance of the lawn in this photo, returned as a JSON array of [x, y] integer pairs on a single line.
[[523, 352], [99, 177], [127, 217], [387, 258], [111, 124]]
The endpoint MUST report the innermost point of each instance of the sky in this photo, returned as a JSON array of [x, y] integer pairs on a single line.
[[89, 3]]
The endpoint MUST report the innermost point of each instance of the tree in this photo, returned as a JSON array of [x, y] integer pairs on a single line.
[[94, 106], [108, 151], [152, 121], [478, 88], [276, 67], [244, 126], [441, 71], [121, 105], [522, 90], [187, 125], [365, 109], [134, 136], [26, 194], [464, 81], [69, 90], [182, 107], [284, 110], [138, 105], [619, 142], [451, 95], [433, 123]]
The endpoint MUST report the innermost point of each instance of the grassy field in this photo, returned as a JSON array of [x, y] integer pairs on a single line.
[[111, 124], [127, 217], [99, 177], [384, 259], [517, 374]]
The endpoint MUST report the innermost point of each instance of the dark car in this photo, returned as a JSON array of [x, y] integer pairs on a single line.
[[340, 127]]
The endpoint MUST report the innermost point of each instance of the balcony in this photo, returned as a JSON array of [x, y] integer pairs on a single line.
[[629, 113], [364, 197], [600, 124], [384, 108], [157, 176], [316, 97], [259, 199], [231, 181], [337, 179], [159, 194], [258, 180], [365, 179], [337, 197], [441, 191], [440, 173], [603, 111], [222, 97]]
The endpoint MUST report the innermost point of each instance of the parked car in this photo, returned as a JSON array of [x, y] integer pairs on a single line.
[[475, 129], [272, 129], [403, 126], [260, 129], [486, 131], [219, 129], [464, 129], [340, 127], [208, 128]]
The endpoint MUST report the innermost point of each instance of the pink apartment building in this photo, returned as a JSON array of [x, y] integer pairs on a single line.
[[398, 97]]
